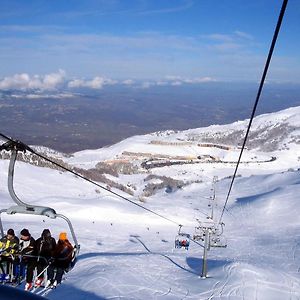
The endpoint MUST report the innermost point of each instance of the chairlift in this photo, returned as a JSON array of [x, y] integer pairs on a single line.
[[24, 208], [182, 240], [199, 234]]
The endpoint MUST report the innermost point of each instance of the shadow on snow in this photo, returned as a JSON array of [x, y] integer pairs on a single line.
[[253, 198], [71, 292], [147, 252], [195, 263]]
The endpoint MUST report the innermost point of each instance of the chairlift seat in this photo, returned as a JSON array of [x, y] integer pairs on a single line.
[[182, 240]]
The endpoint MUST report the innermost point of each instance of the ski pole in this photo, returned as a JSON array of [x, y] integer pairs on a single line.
[[46, 268]]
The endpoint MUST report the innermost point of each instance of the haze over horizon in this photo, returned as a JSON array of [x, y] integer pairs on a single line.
[[95, 120]]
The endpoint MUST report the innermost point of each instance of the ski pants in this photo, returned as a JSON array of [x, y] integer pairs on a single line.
[[59, 273], [41, 265], [6, 261], [30, 266], [10, 262]]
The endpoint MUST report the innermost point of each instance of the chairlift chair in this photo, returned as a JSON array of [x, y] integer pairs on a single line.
[[182, 240], [24, 208]]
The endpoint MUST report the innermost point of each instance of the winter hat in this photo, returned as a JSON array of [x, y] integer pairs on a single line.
[[10, 232], [46, 233], [63, 236], [25, 232]]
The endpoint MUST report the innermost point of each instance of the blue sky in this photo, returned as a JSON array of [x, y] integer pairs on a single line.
[[204, 40]]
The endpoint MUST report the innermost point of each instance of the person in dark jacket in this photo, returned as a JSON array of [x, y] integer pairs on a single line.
[[45, 246], [27, 252], [9, 246], [62, 257]]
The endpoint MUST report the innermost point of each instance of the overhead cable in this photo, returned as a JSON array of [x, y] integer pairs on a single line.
[[275, 35], [87, 179]]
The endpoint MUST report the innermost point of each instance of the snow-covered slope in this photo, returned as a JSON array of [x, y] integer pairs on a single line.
[[273, 146], [128, 253], [269, 132]]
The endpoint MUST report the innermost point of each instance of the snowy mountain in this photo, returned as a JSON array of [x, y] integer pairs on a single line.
[[195, 154], [128, 253]]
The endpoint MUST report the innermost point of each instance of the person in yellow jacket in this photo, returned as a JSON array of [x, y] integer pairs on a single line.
[[9, 245]]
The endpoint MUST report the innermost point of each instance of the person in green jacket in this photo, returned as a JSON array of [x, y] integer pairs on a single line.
[[9, 245]]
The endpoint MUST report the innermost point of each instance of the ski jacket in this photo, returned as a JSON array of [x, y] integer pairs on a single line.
[[27, 247], [63, 254], [9, 247], [45, 247]]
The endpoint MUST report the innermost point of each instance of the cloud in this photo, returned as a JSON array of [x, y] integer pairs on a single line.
[[227, 47], [199, 80], [219, 37], [31, 28], [140, 55], [235, 42], [95, 83], [147, 84], [53, 81], [128, 82], [244, 35], [172, 80], [178, 80], [56, 85], [184, 6], [25, 82], [39, 96], [138, 7], [107, 43]]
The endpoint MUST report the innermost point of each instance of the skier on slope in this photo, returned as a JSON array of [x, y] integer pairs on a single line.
[[45, 246], [62, 257]]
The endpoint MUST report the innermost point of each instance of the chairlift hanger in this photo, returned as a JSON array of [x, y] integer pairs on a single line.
[[24, 208], [182, 240]]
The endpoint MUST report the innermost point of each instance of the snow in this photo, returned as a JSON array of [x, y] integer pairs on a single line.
[[128, 253]]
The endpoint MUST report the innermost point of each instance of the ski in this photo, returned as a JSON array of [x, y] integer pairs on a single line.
[[16, 283], [46, 290], [35, 289]]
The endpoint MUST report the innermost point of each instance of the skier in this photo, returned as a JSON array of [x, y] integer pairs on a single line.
[[45, 246], [9, 246], [185, 244], [62, 257], [27, 252]]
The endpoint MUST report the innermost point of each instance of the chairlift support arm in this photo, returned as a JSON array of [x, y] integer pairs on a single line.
[[22, 207]]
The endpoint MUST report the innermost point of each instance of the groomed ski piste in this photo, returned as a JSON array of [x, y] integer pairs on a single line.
[[128, 253]]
